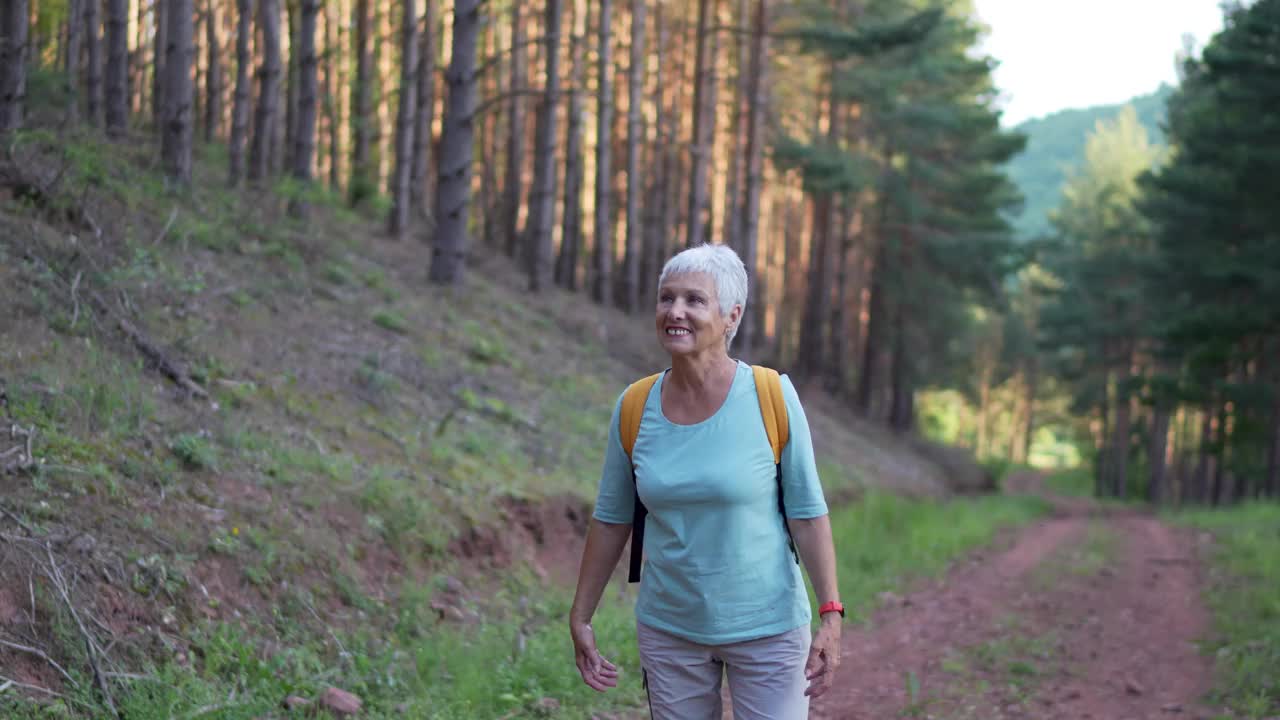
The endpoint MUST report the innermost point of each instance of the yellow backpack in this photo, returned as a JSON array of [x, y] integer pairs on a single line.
[[773, 410]]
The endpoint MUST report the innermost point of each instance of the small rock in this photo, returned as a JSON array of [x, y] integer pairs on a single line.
[[293, 702], [1172, 708], [340, 702], [1133, 687]]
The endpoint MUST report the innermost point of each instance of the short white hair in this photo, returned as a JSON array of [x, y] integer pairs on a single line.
[[726, 270]]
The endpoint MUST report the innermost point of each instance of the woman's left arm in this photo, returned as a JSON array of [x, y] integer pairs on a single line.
[[818, 552]]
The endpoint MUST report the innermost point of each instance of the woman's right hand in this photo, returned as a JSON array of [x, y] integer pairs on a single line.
[[598, 673]]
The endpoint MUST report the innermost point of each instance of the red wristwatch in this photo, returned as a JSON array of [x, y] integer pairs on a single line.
[[832, 606]]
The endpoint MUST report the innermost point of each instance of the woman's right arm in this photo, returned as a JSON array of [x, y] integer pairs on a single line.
[[605, 542]]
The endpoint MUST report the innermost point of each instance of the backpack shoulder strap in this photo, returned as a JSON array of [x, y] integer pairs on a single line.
[[773, 408], [633, 401]]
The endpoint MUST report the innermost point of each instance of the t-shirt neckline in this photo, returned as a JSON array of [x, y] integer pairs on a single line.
[[689, 426]]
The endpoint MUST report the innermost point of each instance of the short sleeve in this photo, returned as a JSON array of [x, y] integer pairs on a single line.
[[801, 487], [616, 497]]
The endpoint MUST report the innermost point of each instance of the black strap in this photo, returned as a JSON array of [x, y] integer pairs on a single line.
[[782, 509], [637, 533]]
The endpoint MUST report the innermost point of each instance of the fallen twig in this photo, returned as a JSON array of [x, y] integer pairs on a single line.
[[75, 299], [91, 646], [173, 215], [43, 656], [9, 514]]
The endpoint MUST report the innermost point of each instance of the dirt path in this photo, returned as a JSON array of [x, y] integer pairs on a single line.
[[1086, 615]]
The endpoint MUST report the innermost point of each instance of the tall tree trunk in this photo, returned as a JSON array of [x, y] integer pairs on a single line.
[[1221, 440], [602, 281], [213, 75], [158, 10], [453, 192], [291, 14], [635, 174], [420, 177], [513, 178], [737, 117], [93, 51], [401, 199], [654, 230], [837, 336], [13, 63], [362, 184], [264, 125], [867, 371], [175, 147], [116, 78], [542, 194], [1028, 414], [1272, 483], [75, 38], [492, 88], [335, 81], [1120, 440], [749, 225], [1157, 445], [303, 154], [1204, 454], [574, 168], [901, 406], [703, 120], [240, 104]]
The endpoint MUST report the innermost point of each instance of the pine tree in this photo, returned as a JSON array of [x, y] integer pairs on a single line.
[[401, 199], [177, 130]]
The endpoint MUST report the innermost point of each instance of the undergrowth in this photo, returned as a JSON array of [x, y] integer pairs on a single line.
[[1244, 595]]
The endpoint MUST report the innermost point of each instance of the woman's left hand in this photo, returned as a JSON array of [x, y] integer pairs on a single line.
[[824, 656]]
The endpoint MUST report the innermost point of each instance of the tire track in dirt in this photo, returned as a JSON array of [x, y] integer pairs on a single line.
[[1115, 640]]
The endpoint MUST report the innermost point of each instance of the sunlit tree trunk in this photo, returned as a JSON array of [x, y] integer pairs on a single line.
[[116, 77], [363, 183], [240, 103], [635, 174], [93, 57], [703, 120], [749, 224], [159, 41], [542, 194], [453, 192], [737, 119], [420, 178], [213, 75], [303, 154], [401, 199], [602, 228], [13, 63], [176, 132], [574, 169], [513, 178], [264, 125], [333, 80]]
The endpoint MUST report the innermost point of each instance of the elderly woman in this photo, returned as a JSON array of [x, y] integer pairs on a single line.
[[721, 591]]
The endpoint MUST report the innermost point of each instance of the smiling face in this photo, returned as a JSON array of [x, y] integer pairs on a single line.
[[688, 315]]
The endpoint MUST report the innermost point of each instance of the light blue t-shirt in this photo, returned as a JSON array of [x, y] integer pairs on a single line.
[[718, 569]]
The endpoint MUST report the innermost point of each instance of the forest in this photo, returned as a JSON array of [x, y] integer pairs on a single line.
[[348, 285]]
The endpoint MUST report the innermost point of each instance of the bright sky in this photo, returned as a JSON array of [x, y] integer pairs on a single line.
[[1057, 54]]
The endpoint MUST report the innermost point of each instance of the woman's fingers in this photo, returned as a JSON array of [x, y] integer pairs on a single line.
[[598, 673]]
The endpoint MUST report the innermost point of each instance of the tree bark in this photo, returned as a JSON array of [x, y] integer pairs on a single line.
[[291, 14], [159, 8], [420, 177], [264, 125], [901, 410], [749, 225], [13, 64], [543, 192], [362, 184], [513, 178], [1157, 445], [737, 119], [602, 278], [654, 230], [574, 169], [116, 78], [75, 37], [1120, 439], [175, 148], [453, 192], [635, 174], [401, 199], [703, 120], [303, 154], [240, 104], [93, 53], [213, 76], [1272, 483], [333, 80], [875, 334]]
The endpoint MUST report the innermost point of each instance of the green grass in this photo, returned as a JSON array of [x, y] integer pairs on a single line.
[[1244, 596], [1077, 482], [884, 539]]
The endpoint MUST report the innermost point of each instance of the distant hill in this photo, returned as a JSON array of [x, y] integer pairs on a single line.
[[1056, 142]]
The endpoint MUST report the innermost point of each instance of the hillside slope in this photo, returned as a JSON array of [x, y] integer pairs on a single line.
[[364, 433], [1055, 143]]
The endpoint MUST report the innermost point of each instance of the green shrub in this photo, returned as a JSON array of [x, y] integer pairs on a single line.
[[195, 451]]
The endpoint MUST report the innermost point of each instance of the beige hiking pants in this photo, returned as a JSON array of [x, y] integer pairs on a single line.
[[766, 676]]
